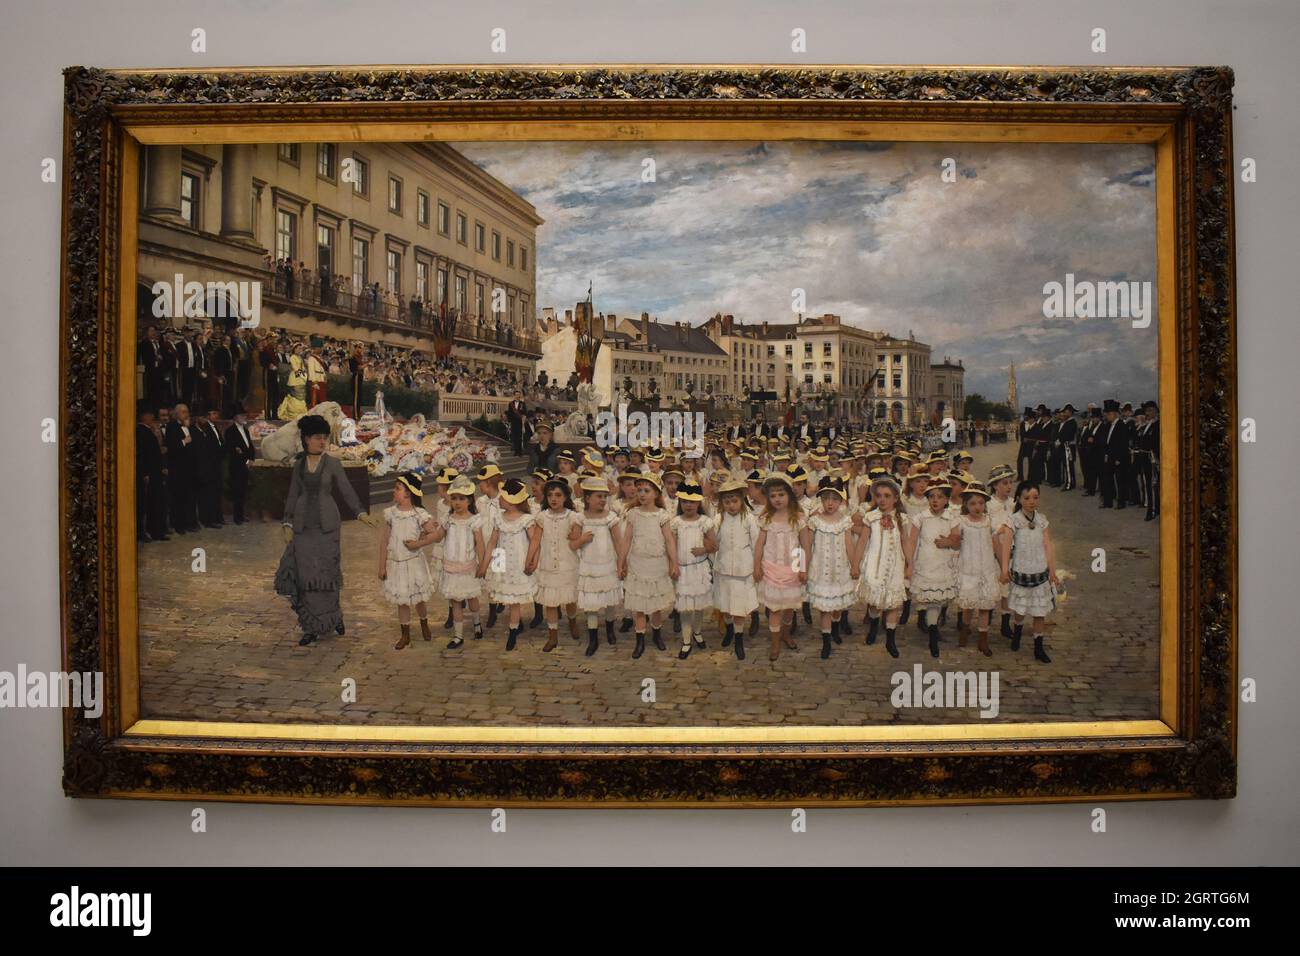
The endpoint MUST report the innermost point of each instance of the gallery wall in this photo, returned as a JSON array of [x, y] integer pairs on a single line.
[[1258, 39]]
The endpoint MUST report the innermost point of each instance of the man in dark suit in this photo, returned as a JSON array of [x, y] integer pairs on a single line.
[[1052, 453], [150, 490], [181, 439], [1146, 455], [517, 413], [1026, 447], [542, 454], [211, 453], [1114, 439], [1129, 421], [1067, 436], [805, 431], [1090, 450], [149, 354], [239, 454]]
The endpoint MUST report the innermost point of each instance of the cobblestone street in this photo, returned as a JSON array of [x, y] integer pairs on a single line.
[[222, 646]]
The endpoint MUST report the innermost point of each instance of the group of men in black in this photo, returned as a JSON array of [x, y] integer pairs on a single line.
[[183, 467], [1116, 446]]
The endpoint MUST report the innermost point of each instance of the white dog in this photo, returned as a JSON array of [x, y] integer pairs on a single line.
[[283, 444]]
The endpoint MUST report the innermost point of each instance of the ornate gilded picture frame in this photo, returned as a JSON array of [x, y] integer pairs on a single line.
[[1186, 750]]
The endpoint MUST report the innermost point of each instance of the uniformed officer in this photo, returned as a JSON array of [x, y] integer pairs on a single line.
[[1067, 437], [1115, 443], [1146, 456]]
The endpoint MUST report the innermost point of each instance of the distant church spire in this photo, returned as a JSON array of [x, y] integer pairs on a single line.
[[1013, 400]]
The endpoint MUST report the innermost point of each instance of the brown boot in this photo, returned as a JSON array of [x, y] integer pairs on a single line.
[[984, 644], [553, 638], [424, 629], [787, 638], [775, 652], [406, 638], [573, 626]]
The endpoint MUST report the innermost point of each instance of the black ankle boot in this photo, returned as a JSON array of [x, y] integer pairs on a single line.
[[889, 642], [1039, 653], [593, 640], [478, 632], [677, 622], [609, 633], [731, 633], [872, 629], [753, 623], [907, 612], [807, 613], [835, 632], [921, 624], [658, 638], [640, 645], [934, 640], [447, 626], [1015, 637], [740, 645], [1006, 626], [943, 614], [537, 616], [512, 639], [826, 644], [626, 626], [845, 627], [492, 615]]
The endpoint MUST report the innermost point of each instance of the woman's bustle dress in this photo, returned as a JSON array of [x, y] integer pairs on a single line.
[[406, 578]]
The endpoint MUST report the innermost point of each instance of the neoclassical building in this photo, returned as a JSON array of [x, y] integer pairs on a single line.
[[421, 222]]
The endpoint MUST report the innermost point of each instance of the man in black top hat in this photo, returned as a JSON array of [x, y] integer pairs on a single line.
[[1146, 457], [1026, 449], [1114, 438], [1129, 421], [1053, 449], [150, 489], [1038, 439], [1090, 450], [1067, 437]]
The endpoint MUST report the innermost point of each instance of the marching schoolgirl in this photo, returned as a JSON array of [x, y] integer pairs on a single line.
[[914, 498], [463, 549], [567, 463], [441, 511], [511, 530], [832, 588], [408, 529], [489, 506], [626, 497], [932, 544], [734, 592], [648, 551], [883, 560], [695, 540], [554, 562], [780, 561], [979, 569], [595, 539], [1029, 565], [755, 499], [672, 478], [1000, 507]]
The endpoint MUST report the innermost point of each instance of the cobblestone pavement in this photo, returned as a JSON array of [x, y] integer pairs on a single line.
[[222, 646]]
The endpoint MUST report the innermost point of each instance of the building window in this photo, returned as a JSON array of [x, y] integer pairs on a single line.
[[510, 252], [523, 258], [444, 218], [394, 270], [826, 348], [480, 237], [478, 299], [898, 382], [325, 161], [394, 195], [460, 294], [827, 378], [496, 246], [190, 200], [288, 152], [286, 235], [422, 280], [360, 264], [442, 286], [325, 249], [361, 176], [462, 228], [421, 207]]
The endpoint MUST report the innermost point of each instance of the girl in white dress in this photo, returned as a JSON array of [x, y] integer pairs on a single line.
[[511, 532], [408, 529], [932, 545], [979, 569], [734, 592], [1001, 484], [884, 562], [1030, 568], [441, 510], [463, 550], [648, 562], [831, 571], [595, 539], [555, 563], [780, 561], [695, 541]]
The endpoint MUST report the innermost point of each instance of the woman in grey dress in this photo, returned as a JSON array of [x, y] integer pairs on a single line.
[[311, 573]]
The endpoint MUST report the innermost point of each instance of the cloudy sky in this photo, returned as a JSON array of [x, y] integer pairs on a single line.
[[870, 232]]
